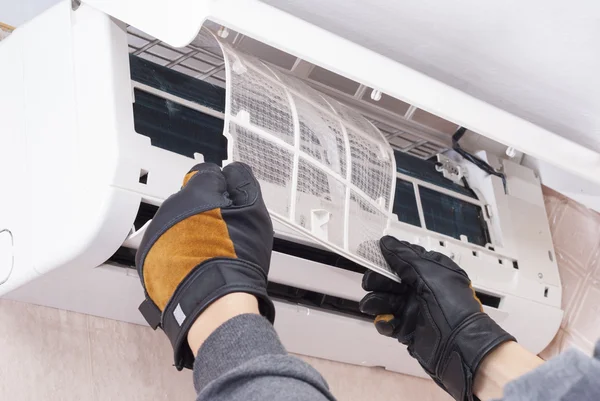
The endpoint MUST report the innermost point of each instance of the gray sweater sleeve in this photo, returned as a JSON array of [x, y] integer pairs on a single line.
[[244, 360], [570, 376]]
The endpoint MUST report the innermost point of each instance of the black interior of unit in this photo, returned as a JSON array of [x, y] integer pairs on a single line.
[[179, 129], [316, 255], [315, 299], [488, 300], [443, 214], [145, 213], [453, 217], [126, 257], [172, 126], [405, 203], [177, 83], [425, 171], [185, 131]]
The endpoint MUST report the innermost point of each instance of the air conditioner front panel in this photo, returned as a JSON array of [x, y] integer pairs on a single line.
[[85, 171], [175, 22], [61, 154]]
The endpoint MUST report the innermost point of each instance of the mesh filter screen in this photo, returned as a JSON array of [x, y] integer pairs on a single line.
[[325, 170]]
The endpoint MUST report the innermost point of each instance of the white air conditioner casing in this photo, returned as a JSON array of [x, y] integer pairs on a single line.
[[71, 162]]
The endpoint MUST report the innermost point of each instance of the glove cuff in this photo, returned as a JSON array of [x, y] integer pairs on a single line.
[[473, 341], [205, 284]]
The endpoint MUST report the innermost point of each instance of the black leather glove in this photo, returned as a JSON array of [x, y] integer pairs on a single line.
[[435, 312], [212, 238]]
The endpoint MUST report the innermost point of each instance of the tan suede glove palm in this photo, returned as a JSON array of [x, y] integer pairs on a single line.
[[210, 239]]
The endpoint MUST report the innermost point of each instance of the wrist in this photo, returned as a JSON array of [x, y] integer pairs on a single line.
[[217, 313], [502, 365], [208, 282], [469, 344]]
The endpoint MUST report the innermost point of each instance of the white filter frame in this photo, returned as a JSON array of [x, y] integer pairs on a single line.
[[378, 202]]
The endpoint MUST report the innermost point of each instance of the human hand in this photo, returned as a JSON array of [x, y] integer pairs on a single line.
[[435, 312], [212, 238]]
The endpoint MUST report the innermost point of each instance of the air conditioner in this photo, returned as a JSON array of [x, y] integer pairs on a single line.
[[107, 104]]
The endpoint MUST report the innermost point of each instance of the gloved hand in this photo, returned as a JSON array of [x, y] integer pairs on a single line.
[[435, 312], [212, 238]]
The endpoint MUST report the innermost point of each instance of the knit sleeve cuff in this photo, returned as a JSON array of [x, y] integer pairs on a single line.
[[570, 376], [235, 342]]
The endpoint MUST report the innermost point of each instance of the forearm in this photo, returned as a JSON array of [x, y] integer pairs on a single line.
[[217, 313], [243, 359], [511, 373], [507, 362]]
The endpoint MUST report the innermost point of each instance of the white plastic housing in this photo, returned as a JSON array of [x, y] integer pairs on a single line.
[[178, 22], [326, 171], [74, 161]]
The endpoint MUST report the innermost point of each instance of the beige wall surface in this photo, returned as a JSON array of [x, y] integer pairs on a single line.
[[576, 236], [53, 355]]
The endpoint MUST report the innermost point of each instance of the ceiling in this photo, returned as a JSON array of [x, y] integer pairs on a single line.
[[538, 59]]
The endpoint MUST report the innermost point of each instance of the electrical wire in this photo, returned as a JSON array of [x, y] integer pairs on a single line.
[[466, 183], [474, 159]]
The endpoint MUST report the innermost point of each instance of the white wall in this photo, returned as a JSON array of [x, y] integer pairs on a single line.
[[53, 355], [16, 12], [49, 354], [538, 59]]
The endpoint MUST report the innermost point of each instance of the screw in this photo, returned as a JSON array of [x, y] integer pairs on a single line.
[[540, 275], [511, 152], [376, 95], [223, 32]]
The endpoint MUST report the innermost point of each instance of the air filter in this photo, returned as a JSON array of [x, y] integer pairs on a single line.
[[324, 169]]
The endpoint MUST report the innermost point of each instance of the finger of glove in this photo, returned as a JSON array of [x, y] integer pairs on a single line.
[[242, 186], [397, 327], [248, 221], [401, 323], [381, 303], [387, 325], [200, 168], [204, 183], [382, 306], [373, 281], [205, 188], [403, 258]]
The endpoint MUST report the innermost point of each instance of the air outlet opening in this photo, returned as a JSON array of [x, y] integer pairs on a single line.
[[126, 257]]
